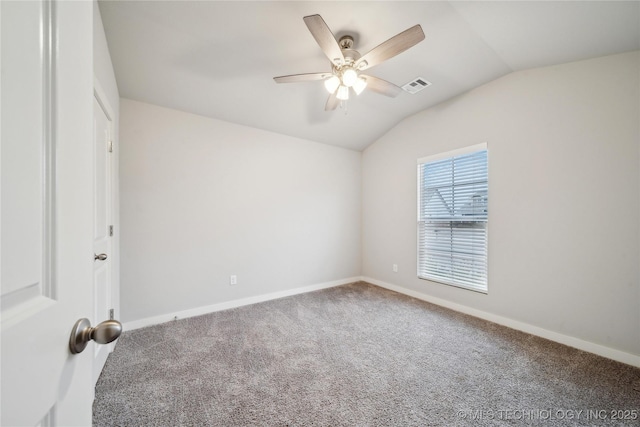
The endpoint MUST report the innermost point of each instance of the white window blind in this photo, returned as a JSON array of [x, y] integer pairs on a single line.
[[453, 218]]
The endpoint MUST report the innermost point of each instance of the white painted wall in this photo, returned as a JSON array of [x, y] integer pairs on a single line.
[[102, 65], [105, 76], [202, 199], [564, 197]]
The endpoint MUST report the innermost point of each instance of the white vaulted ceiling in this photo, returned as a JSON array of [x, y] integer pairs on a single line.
[[218, 59]]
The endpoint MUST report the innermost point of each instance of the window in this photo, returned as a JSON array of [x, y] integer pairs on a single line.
[[453, 218]]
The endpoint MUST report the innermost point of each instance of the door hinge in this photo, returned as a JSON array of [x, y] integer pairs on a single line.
[[111, 230], [111, 314], [110, 146]]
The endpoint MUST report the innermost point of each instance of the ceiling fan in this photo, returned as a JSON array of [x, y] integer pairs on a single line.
[[347, 63]]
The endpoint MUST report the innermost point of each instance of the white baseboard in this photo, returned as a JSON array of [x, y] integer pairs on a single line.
[[198, 311], [587, 346]]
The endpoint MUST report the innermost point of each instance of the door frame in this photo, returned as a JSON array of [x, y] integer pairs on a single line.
[[113, 114], [114, 258]]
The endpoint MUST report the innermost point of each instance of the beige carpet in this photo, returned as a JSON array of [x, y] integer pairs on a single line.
[[355, 355]]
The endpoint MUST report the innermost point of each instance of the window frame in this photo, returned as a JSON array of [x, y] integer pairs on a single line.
[[433, 158]]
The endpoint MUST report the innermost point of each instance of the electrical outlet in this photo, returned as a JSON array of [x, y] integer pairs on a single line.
[[395, 268], [233, 279]]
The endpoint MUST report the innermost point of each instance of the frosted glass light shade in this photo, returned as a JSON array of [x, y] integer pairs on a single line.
[[359, 85], [332, 83], [343, 93], [349, 77]]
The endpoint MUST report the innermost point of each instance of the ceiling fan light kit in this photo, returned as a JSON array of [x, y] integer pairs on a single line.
[[332, 83], [347, 63], [359, 85], [343, 93], [349, 76]]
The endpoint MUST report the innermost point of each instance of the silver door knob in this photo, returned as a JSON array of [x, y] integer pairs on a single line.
[[100, 257], [82, 333]]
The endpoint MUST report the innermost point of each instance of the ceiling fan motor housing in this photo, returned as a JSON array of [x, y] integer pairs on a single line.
[[350, 55]]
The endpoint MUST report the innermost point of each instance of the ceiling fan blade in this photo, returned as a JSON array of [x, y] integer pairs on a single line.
[[295, 78], [395, 45], [323, 35], [382, 86], [332, 102]]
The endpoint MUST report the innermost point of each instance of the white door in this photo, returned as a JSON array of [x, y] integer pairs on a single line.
[[102, 229], [46, 256]]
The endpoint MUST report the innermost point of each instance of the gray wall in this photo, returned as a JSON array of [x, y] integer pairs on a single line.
[[102, 65], [202, 199], [564, 196]]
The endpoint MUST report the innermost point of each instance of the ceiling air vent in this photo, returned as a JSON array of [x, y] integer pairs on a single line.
[[416, 85]]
